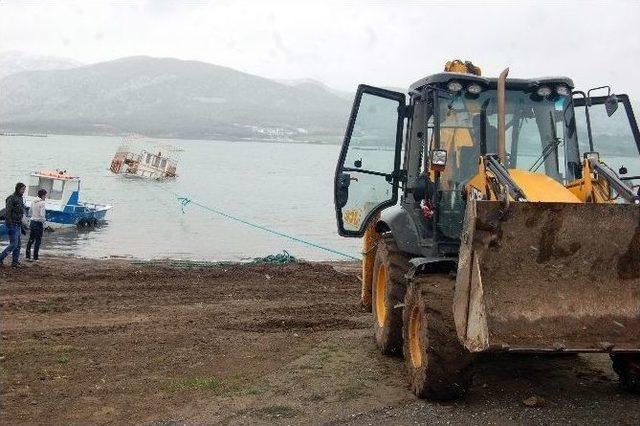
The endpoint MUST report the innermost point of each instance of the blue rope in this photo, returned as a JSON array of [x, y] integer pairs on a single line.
[[184, 201]]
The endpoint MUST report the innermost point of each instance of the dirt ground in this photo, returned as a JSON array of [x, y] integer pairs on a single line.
[[120, 342]]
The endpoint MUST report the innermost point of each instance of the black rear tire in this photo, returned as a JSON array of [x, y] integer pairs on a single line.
[[438, 366], [387, 295], [627, 366]]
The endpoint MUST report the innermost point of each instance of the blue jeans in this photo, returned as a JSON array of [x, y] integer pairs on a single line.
[[35, 236], [15, 233]]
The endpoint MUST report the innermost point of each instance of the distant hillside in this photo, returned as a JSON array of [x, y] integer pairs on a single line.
[[168, 98], [315, 85], [12, 62]]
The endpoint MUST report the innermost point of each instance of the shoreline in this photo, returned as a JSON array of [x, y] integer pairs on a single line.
[[337, 142]]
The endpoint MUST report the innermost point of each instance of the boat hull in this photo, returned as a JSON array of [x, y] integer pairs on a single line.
[[71, 217]]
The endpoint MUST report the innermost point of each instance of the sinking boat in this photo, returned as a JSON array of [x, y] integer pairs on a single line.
[[63, 206], [133, 161]]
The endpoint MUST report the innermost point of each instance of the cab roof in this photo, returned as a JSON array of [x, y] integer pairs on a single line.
[[56, 175], [443, 78]]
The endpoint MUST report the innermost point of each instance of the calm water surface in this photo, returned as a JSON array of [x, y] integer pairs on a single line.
[[288, 187]]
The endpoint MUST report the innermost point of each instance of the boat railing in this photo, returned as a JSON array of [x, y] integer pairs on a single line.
[[84, 206]]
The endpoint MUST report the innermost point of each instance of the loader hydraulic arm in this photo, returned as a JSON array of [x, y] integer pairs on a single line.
[[492, 164], [614, 181]]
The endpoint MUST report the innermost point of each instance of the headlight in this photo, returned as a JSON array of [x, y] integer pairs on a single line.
[[439, 157], [563, 90], [543, 91], [454, 86], [595, 156], [474, 89]]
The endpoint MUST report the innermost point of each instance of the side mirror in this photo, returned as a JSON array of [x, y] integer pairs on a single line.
[[611, 105]]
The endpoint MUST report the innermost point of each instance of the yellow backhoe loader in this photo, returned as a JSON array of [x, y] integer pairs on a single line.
[[517, 226]]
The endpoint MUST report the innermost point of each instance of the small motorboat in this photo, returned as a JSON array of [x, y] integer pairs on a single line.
[[63, 205]]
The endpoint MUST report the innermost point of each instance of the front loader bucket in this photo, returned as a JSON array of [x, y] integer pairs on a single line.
[[549, 277]]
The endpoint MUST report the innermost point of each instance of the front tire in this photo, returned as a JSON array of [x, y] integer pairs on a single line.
[[438, 366], [387, 294]]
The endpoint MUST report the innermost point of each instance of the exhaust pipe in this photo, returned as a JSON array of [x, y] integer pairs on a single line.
[[502, 150]]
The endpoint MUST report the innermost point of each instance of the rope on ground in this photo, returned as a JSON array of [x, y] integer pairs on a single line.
[[184, 201], [272, 259], [277, 259], [182, 264]]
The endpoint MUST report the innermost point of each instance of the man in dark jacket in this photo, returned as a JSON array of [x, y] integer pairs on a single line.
[[13, 219]]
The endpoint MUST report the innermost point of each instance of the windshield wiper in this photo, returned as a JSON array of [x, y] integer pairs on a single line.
[[387, 176], [555, 143], [551, 147]]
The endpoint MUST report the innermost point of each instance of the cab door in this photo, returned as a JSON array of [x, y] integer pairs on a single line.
[[614, 131], [367, 174]]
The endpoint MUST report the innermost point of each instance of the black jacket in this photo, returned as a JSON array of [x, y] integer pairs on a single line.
[[14, 210]]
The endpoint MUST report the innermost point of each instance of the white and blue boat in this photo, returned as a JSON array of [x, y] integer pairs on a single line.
[[63, 205]]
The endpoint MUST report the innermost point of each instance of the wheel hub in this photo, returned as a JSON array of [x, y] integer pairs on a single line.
[[415, 341], [381, 290]]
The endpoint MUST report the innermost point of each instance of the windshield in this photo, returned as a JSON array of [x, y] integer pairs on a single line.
[[540, 134]]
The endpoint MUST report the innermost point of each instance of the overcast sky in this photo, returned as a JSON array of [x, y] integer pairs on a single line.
[[343, 43]]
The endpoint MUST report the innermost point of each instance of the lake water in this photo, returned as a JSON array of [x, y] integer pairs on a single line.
[[287, 187]]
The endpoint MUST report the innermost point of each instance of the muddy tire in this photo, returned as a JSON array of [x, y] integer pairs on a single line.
[[627, 367], [387, 294], [438, 366], [369, 245]]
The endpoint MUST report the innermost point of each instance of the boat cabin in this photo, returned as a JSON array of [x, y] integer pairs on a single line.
[[59, 185], [144, 164]]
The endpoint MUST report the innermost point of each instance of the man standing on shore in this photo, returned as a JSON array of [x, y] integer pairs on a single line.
[[36, 227], [13, 220]]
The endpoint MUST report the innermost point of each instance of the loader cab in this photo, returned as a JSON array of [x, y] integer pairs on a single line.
[[540, 137], [391, 139]]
